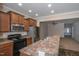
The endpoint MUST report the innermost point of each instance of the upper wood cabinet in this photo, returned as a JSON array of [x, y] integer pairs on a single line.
[[26, 25], [4, 22], [20, 19], [32, 22], [16, 18]]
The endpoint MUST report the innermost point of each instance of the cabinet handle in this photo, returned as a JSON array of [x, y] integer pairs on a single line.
[[2, 54]]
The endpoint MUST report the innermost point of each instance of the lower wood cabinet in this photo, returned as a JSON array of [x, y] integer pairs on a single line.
[[29, 40], [6, 49]]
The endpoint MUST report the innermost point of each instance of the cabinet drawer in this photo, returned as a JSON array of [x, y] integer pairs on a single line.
[[6, 49]]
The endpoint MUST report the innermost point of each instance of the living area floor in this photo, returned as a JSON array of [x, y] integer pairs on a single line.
[[69, 47]]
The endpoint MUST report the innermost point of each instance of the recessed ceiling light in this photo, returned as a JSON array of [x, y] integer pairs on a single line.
[[52, 11], [36, 14], [30, 11], [49, 5], [20, 4]]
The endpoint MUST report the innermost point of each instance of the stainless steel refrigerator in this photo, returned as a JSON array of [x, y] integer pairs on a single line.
[[33, 32]]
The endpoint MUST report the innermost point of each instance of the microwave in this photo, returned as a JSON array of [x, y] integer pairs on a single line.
[[17, 28]]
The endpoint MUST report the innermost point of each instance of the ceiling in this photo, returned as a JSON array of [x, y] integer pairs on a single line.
[[42, 8]]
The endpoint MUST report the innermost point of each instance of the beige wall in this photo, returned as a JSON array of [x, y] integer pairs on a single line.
[[57, 29], [48, 29], [76, 31], [43, 30]]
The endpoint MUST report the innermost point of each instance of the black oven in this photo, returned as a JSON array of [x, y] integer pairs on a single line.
[[18, 43]]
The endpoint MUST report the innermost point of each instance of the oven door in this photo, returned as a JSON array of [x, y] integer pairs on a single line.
[[17, 46]]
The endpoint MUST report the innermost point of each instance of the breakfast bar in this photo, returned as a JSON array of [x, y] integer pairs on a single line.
[[46, 47]]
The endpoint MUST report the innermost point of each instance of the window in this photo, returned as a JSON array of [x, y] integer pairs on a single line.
[[67, 30]]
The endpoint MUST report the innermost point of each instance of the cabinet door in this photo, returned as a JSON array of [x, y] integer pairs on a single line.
[[21, 19], [5, 22], [29, 41], [6, 49], [32, 22], [14, 18], [6, 52], [26, 25]]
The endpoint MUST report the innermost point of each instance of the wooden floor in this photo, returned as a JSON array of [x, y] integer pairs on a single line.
[[69, 47]]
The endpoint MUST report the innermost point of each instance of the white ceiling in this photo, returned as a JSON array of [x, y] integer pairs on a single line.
[[42, 8]]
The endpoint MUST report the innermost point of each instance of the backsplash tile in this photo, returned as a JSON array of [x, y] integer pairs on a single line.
[[9, 33]]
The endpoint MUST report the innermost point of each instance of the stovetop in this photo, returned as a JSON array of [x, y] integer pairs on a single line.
[[16, 37]]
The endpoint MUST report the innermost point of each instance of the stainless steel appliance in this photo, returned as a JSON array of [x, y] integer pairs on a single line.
[[33, 32], [17, 28]]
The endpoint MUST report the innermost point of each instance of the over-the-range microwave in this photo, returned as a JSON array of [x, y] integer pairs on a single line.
[[17, 28]]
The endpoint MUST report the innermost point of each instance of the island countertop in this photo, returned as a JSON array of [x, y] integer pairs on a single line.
[[50, 47]]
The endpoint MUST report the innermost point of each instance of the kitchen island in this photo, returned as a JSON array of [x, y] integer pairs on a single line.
[[49, 47]]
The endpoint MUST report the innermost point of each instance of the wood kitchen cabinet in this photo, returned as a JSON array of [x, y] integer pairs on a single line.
[[32, 22], [13, 17], [16, 18], [4, 22], [29, 40], [20, 19], [26, 25], [6, 49]]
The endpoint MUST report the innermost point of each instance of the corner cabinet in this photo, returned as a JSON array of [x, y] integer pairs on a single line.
[[4, 22]]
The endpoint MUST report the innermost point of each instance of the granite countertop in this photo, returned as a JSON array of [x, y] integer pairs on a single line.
[[50, 47], [4, 40]]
